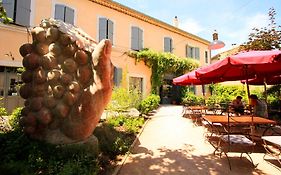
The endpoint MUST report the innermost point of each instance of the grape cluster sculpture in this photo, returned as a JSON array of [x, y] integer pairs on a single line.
[[67, 83]]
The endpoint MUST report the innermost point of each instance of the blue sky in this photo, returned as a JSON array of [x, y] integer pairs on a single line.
[[233, 19]]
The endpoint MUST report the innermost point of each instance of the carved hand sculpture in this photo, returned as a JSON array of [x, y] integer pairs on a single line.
[[67, 83]]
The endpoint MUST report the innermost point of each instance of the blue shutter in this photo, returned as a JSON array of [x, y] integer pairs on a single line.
[[171, 45], [134, 38], [197, 53], [23, 12], [9, 6], [102, 28], [167, 44], [206, 57], [190, 52], [59, 12], [117, 77], [69, 15], [140, 39], [110, 30]]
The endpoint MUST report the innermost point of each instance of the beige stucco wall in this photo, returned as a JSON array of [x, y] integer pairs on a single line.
[[86, 17]]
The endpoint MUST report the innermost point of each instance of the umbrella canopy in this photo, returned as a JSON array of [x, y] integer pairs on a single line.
[[189, 79], [269, 80], [244, 65]]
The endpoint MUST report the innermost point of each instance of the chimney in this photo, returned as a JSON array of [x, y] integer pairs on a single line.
[[176, 22]]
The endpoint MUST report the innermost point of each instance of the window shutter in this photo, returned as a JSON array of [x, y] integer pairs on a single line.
[[171, 45], [102, 28], [59, 12], [206, 57], [23, 12], [134, 38], [166, 44], [140, 39], [117, 77], [69, 15], [9, 6], [197, 53], [189, 52], [110, 30]]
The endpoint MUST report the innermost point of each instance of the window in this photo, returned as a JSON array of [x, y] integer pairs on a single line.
[[206, 57], [168, 44], [192, 52], [64, 13], [105, 29], [137, 39], [135, 83], [18, 10], [117, 77]]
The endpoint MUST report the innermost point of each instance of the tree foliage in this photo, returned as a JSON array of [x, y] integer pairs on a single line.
[[3, 15], [162, 63], [265, 38]]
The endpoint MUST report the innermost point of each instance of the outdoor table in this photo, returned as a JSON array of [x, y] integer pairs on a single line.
[[196, 113], [241, 120]]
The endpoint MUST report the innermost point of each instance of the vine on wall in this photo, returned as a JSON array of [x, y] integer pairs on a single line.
[[162, 63]]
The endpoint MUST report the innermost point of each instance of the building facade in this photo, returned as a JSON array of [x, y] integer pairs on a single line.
[[127, 29]]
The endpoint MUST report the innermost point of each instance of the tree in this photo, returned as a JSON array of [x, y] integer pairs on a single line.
[[266, 38], [3, 15]]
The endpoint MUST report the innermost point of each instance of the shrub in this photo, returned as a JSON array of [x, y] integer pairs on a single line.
[[191, 99], [14, 118], [21, 155], [148, 104], [122, 99], [3, 111]]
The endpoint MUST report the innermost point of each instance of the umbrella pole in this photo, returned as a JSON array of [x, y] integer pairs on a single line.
[[265, 93], [248, 89]]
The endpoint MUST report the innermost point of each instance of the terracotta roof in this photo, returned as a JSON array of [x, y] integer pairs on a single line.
[[141, 16]]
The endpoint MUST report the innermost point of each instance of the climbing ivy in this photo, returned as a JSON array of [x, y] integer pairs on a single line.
[[162, 63]]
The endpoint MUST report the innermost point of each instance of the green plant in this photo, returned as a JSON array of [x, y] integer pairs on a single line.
[[21, 155], [122, 99], [163, 62], [14, 118], [3, 111], [191, 99], [148, 104]]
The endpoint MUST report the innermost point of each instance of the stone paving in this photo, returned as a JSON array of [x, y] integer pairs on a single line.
[[171, 145]]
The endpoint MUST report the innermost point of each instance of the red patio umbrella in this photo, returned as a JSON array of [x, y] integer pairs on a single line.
[[268, 80], [189, 79], [241, 66]]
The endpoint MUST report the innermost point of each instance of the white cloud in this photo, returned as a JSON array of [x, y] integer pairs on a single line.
[[190, 25]]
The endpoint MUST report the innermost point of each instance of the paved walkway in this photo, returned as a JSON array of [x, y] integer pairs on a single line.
[[171, 145]]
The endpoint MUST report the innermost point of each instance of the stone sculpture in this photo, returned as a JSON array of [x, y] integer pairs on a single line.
[[67, 83]]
